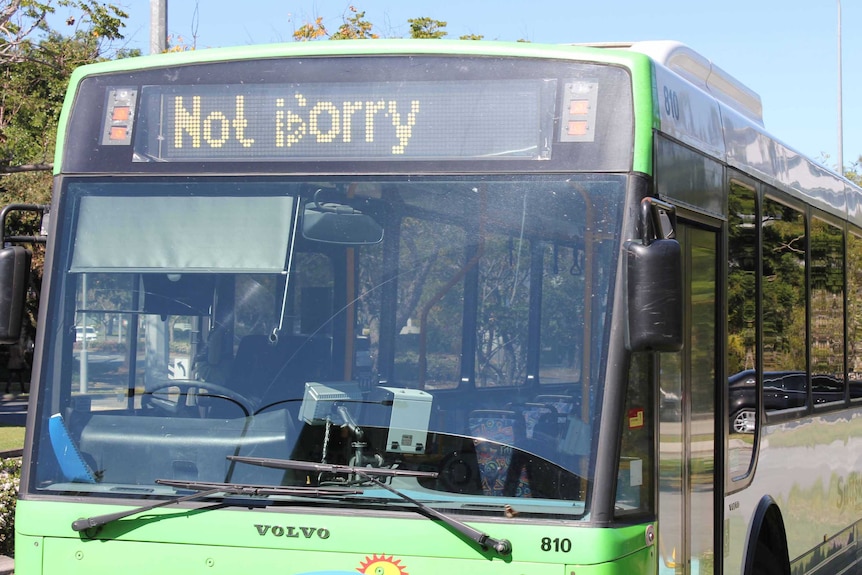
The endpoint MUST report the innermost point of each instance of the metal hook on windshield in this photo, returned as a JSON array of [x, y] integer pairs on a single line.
[[273, 336]]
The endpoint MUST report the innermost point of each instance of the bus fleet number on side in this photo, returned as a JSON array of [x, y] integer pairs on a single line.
[[671, 103], [556, 544]]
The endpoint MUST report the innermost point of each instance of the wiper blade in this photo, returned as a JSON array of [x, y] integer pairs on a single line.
[[503, 547], [204, 490], [259, 490], [330, 467]]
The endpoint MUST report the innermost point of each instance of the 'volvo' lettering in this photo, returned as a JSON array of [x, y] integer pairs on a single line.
[[292, 531]]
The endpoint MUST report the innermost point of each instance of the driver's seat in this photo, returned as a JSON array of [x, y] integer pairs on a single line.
[[268, 373]]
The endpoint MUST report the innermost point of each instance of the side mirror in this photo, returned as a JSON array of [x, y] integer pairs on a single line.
[[14, 278], [654, 290], [339, 224]]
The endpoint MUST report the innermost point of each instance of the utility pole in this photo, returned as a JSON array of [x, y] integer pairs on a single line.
[[840, 98], [158, 26]]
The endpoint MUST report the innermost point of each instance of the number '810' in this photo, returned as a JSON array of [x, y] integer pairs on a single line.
[[671, 103], [556, 544]]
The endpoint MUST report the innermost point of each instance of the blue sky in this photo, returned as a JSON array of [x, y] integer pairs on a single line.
[[785, 50]]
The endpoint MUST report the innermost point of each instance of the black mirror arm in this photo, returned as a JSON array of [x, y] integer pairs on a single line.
[[651, 225]]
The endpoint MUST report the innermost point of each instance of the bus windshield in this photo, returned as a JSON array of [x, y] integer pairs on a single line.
[[454, 325]]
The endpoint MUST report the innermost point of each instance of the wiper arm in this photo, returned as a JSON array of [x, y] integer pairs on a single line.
[[204, 490], [503, 547]]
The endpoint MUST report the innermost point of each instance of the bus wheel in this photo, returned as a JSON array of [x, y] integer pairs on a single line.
[[765, 561], [743, 421]]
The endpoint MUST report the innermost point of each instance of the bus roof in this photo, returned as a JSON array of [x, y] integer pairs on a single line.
[[728, 125]]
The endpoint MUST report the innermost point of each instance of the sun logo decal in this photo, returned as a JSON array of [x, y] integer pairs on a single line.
[[381, 565]]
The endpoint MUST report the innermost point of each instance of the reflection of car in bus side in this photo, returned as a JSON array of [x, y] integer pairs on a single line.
[[88, 333], [781, 390], [670, 405]]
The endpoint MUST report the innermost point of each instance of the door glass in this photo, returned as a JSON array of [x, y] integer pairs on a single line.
[[687, 421], [741, 327], [701, 472], [671, 450]]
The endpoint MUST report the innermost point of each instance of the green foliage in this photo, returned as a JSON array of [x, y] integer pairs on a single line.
[[31, 95], [21, 20], [10, 477], [355, 27], [854, 174], [35, 65], [426, 27], [310, 31]]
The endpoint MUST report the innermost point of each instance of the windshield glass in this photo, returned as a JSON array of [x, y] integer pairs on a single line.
[[452, 325]]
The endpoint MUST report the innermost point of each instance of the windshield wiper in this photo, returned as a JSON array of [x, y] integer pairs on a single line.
[[330, 467], [503, 547], [203, 490]]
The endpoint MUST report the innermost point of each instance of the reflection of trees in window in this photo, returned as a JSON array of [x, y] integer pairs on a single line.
[[312, 288], [255, 308], [430, 302], [108, 292], [504, 310], [854, 305], [562, 313], [784, 301], [470, 263], [742, 279], [702, 252], [742, 258], [827, 300], [636, 444]]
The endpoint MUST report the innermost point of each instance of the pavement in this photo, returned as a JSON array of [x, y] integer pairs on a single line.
[[7, 565], [13, 411]]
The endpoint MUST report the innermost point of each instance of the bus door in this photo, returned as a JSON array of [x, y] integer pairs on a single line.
[[687, 488]]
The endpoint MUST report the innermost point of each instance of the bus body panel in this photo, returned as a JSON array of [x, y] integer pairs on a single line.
[[183, 541], [819, 497]]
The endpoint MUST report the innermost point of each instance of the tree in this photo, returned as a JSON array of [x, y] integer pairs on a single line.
[[35, 65], [311, 31], [21, 20], [854, 173], [426, 27], [354, 26]]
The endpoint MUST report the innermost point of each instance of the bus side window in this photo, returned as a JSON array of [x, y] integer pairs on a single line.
[[784, 298]]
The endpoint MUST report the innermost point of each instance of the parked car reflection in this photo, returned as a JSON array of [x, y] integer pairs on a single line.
[[781, 390]]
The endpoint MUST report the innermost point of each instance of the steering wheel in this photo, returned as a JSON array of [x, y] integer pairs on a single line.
[[190, 387]]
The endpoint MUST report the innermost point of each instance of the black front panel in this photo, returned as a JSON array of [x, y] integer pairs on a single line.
[[354, 114]]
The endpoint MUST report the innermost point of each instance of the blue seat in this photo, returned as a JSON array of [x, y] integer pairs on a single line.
[[72, 463]]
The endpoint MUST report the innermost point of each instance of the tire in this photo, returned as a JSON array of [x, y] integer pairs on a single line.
[[765, 561]]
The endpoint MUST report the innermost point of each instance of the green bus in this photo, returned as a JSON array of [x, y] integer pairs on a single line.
[[419, 307]]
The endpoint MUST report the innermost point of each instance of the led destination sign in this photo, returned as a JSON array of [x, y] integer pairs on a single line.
[[511, 119]]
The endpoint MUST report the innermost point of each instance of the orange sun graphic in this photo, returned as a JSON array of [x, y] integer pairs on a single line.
[[381, 565]]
